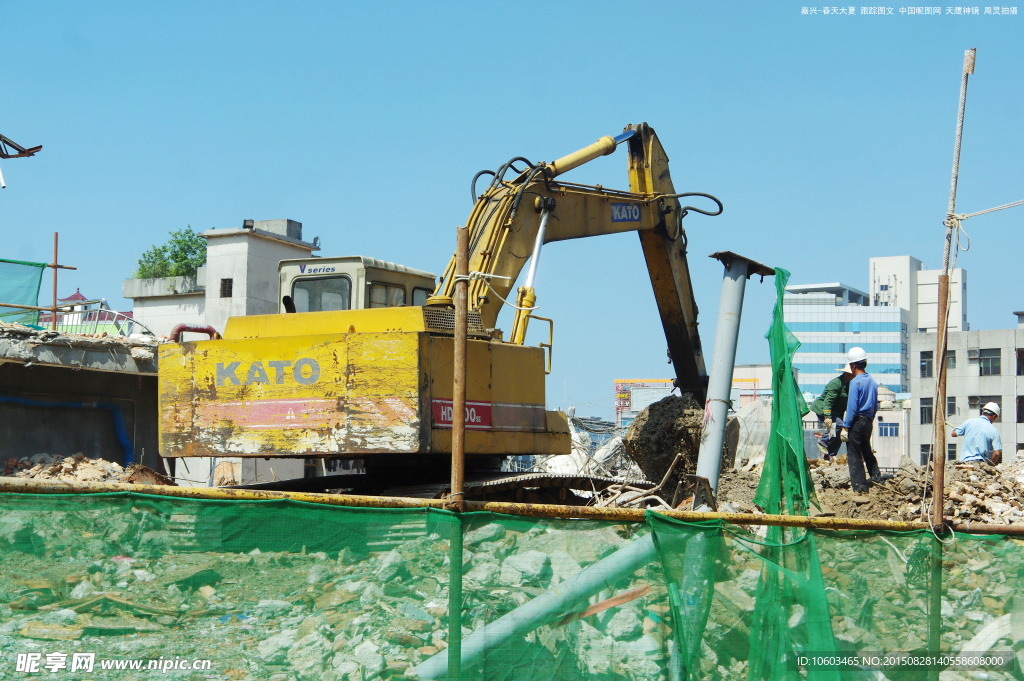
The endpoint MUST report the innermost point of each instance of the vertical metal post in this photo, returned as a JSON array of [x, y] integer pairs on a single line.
[[455, 601], [935, 606], [53, 320], [730, 307], [456, 498]]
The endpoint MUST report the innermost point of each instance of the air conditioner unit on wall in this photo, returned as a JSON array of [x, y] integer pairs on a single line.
[[972, 354]]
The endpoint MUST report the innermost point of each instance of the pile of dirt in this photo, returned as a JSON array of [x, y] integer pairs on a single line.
[[668, 427], [79, 468], [975, 492]]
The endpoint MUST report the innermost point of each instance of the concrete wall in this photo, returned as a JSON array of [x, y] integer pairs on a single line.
[[163, 303], [249, 258], [965, 381], [28, 430], [160, 315]]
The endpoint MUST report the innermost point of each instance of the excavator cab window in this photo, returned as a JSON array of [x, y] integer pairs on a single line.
[[419, 296], [383, 295], [322, 294]]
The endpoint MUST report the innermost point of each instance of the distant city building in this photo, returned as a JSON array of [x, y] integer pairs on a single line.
[[751, 382], [983, 367], [633, 394], [830, 319], [902, 281]]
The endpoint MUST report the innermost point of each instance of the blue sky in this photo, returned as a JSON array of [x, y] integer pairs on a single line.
[[828, 138]]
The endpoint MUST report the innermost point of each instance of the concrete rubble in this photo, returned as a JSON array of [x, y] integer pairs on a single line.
[[80, 468], [975, 492], [99, 351]]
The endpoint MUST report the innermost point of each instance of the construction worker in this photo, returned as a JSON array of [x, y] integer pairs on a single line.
[[832, 402], [981, 439], [861, 406]]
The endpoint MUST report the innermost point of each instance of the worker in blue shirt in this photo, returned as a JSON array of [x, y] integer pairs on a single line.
[[857, 422], [981, 439]]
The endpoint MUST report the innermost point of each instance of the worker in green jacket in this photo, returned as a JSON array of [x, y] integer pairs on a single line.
[[832, 402]]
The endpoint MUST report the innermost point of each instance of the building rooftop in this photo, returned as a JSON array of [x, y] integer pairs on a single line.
[[835, 289]]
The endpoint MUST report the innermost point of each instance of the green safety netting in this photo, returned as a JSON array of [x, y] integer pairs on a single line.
[[19, 285], [289, 590]]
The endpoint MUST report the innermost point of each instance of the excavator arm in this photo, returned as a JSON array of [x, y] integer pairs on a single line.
[[512, 220]]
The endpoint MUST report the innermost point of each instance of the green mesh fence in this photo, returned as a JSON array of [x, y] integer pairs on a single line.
[[19, 285], [290, 590]]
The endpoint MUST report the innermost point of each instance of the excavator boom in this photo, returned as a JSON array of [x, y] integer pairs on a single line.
[[508, 216]]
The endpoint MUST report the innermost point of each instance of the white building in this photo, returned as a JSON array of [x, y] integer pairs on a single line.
[[240, 278], [830, 319], [983, 367], [902, 281]]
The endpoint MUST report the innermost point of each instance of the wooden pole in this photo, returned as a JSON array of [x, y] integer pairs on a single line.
[[53, 318], [939, 415], [457, 496], [457, 499]]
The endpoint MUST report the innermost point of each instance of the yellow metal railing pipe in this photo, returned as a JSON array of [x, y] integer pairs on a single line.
[[23, 486]]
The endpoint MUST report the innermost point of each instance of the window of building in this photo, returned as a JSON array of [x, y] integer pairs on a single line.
[[322, 294], [903, 349], [903, 329], [1020, 409], [225, 287], [922, 330], [950, 406], [926, 364], [979, 401], [988, 360], [883, 287], [383, 295], [951, 359], [926, 454], [1020, 362], [951, 452], [926, 410], [888, 430]]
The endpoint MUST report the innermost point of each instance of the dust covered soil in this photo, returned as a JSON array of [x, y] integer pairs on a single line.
[[975, 492]]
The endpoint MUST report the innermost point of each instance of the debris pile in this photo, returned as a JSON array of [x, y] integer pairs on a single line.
[[975, 492], [79, 468]]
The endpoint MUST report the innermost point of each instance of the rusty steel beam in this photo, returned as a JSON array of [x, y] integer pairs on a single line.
[[24, 486], [457, 497]]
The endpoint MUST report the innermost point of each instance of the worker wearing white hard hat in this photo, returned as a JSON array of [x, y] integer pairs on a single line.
[[861, 406], [981, 438]]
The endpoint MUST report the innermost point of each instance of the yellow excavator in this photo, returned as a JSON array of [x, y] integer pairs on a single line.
[[376, 384]]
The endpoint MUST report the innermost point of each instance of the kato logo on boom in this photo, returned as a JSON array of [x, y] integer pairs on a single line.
[[625, 212]]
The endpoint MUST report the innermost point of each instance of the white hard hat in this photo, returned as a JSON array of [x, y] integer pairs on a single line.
[[992, 407], [856, 355]]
